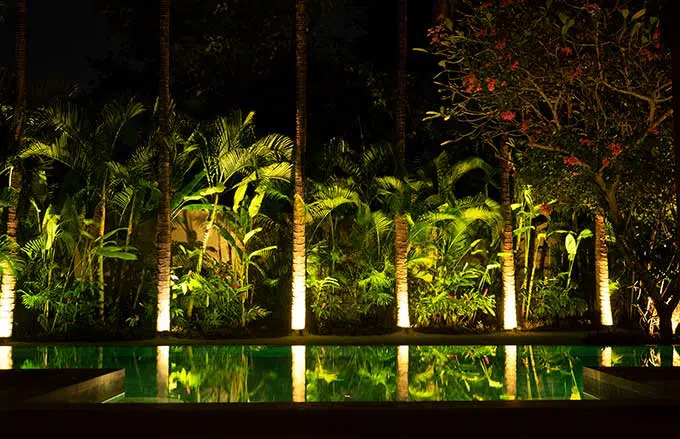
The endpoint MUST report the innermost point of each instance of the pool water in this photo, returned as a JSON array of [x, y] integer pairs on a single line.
[[205, 374]]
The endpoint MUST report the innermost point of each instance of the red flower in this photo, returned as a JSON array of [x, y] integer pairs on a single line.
[[605, 163], [567, 51], [515, 65], [585, 141], [575, 74], [572, 161], [500, 45], [646, 54], [490, 84], [615, 148], [508, 115], [524, 127], [545, 209]]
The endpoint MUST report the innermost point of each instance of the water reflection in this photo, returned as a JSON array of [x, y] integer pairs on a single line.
[[5, 357], [298, 369], [402, 373], [606, 356], [162, 370], [344, 373], [511, 371]]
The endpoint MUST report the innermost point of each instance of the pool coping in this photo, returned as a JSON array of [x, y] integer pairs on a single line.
[[586, 338]]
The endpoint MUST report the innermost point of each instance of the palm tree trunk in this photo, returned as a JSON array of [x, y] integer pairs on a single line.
[[100, 257], [298, 305], [507, 257], [7, 292], [400, 224], [163, 221], [401, 270], [603, 303]]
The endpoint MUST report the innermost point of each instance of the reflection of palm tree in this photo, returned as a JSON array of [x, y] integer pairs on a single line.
[[162, 370], [5, 357], [402, 373], [511, 371], [298, 372]]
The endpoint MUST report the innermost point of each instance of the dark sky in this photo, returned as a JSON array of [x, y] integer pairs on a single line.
[[62, 34]]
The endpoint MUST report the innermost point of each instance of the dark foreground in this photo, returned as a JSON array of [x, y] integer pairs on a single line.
[[559, 419]]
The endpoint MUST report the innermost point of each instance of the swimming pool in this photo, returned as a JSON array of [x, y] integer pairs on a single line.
[[205, 374]]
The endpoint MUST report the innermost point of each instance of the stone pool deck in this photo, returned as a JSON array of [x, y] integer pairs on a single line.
[[54, 386], [504, 419]]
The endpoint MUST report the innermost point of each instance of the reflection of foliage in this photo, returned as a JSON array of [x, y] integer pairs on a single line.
[[227, 374], [351, 373]]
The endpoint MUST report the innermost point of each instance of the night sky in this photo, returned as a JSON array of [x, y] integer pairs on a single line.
[[62, 36]]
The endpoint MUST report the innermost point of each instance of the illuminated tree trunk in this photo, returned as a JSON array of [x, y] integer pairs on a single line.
[[7, 291], [298, 305], [676, 357], [298, 370], [402, 373], [162, 370], [400, 224], [163, 218], [511, 371], [602, 272], [507, 258]]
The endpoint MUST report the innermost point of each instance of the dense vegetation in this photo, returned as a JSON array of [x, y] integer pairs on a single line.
[[551, 150]]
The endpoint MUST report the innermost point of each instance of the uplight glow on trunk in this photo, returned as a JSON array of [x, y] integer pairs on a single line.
[[7, 304], [162, 370], [402, 373], [511, 371], [602, 271], [676, 356], [299, 369]]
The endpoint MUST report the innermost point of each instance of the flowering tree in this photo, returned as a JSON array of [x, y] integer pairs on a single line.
[[583, 94]]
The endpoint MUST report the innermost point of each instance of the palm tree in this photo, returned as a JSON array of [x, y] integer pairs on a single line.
[[603, 303], [163, 236], [509, 320], [298, 306], [89, 149], [400, 224], [231, 162], [7, 292]]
